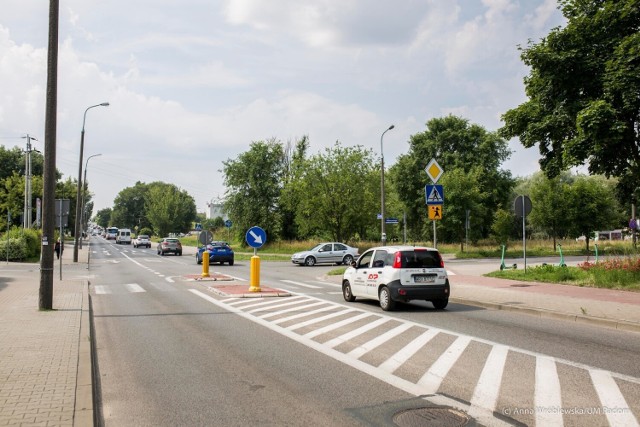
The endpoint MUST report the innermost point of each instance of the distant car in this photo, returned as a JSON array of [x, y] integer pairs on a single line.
[[169, 245], [142, 240], [398, 273], [218, 252], [329, 252]]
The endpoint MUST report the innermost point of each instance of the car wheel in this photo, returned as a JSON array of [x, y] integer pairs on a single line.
[[386, 303], [161, 253], [231, 262], [310, 261], [198, 259], [180, 253], [346, 292], [441, 303], [348, 259]]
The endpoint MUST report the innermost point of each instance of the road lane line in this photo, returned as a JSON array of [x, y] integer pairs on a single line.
[[304, 285], [379, 340], [485, 395], [432, 379], [405, 353], [617, 409], [356, 332], [134, 287], [547, 395], [332, 326], [297, 309]]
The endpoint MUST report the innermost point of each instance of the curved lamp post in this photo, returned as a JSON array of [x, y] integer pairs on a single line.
[[384, 235], [84, 193], [78, 207]]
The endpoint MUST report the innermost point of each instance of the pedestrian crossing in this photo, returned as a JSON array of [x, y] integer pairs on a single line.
[[496, 382]]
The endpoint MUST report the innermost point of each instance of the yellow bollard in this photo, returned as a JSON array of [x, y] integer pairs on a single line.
[[254, 274], [205, 263]]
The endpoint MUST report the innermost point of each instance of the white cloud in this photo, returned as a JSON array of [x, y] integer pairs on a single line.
[[190, 86]]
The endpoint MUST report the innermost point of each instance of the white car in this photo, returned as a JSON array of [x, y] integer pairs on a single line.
[[398, 273], [142, 240]]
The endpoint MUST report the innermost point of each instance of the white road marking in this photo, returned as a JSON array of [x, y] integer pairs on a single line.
[[356, 332], [378, 341], [102, 290], [395, 361], [618, 412], [134, 287], [547, 393], [485, 395], [432, 379], [304, 285]]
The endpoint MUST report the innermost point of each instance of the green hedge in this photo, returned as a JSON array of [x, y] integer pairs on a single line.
[[17, 249]]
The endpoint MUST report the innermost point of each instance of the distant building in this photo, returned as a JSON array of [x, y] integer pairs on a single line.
[[214, 210]]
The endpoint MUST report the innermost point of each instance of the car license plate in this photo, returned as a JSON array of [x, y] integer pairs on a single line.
[[425, 279]]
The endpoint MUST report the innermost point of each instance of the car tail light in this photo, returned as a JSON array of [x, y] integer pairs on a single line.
[[397, 260], [441, 260]]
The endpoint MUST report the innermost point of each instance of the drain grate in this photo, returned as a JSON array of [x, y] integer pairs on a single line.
[[427, 417], [520, 285]]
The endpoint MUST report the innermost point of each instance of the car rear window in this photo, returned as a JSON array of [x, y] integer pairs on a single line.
[[420, 259], [173, 241]]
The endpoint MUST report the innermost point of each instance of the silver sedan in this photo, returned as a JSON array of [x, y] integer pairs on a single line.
[[326, 253]]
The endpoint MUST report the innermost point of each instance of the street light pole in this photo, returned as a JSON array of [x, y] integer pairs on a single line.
[[27, 183], [84, 193], [383, 234], [78, 207]]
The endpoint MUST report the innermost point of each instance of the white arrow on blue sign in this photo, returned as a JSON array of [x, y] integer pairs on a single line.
[[256, 237]]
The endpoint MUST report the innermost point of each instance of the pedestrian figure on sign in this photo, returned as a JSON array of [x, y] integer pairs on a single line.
[[437, 214], [57, 248]]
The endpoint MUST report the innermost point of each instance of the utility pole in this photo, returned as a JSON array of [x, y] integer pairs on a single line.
[[49, 175]]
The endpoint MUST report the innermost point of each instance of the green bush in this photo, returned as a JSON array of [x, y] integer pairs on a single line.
[[145, 230], [17, 249], [30, 237]]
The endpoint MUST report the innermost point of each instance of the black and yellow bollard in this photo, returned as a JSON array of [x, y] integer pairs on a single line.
[[254, 274], [205, 264]]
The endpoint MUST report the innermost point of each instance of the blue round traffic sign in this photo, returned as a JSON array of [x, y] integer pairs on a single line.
[[228, 223], [256, 237]]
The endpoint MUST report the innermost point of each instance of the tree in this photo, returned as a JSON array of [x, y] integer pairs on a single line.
[[455, 144], [550, 211], [583, 92], [333, 197], [462, 195], [129, 207], [169, 209], [103, 217], [253, 182], [503, 226], [591, 206]]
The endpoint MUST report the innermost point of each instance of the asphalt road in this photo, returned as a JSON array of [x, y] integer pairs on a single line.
[[172, 353]]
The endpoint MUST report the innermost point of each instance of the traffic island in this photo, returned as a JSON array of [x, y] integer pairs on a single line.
[[215, 277], [242, 290]]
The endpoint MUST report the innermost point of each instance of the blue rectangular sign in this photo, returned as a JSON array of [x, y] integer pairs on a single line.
[[434, 194]]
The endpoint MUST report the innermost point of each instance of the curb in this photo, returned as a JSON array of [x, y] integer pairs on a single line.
[[83, 408], [621, 325]]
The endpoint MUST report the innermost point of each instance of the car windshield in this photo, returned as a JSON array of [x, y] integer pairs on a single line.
[[316, 248]]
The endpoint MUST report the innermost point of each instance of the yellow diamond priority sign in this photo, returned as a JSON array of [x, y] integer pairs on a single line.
[[434, 171]]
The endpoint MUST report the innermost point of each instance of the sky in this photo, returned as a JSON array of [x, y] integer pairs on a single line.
[[191, 83]]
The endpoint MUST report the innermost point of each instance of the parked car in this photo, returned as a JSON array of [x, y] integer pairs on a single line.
[[142, 240], [169, 245], [218, 252], [398, 273], [329, 252]]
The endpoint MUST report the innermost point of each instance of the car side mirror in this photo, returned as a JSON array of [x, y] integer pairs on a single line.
[[353, 264]]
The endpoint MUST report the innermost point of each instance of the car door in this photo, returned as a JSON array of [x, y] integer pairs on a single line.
[[376, 275], [339, 251], [325, 253], [360, 278]]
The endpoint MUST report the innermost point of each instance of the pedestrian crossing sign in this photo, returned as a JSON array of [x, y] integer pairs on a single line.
[[434, 194], [435, 212]]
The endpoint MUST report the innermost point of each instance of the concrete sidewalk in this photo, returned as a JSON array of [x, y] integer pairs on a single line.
[[45, 356]]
